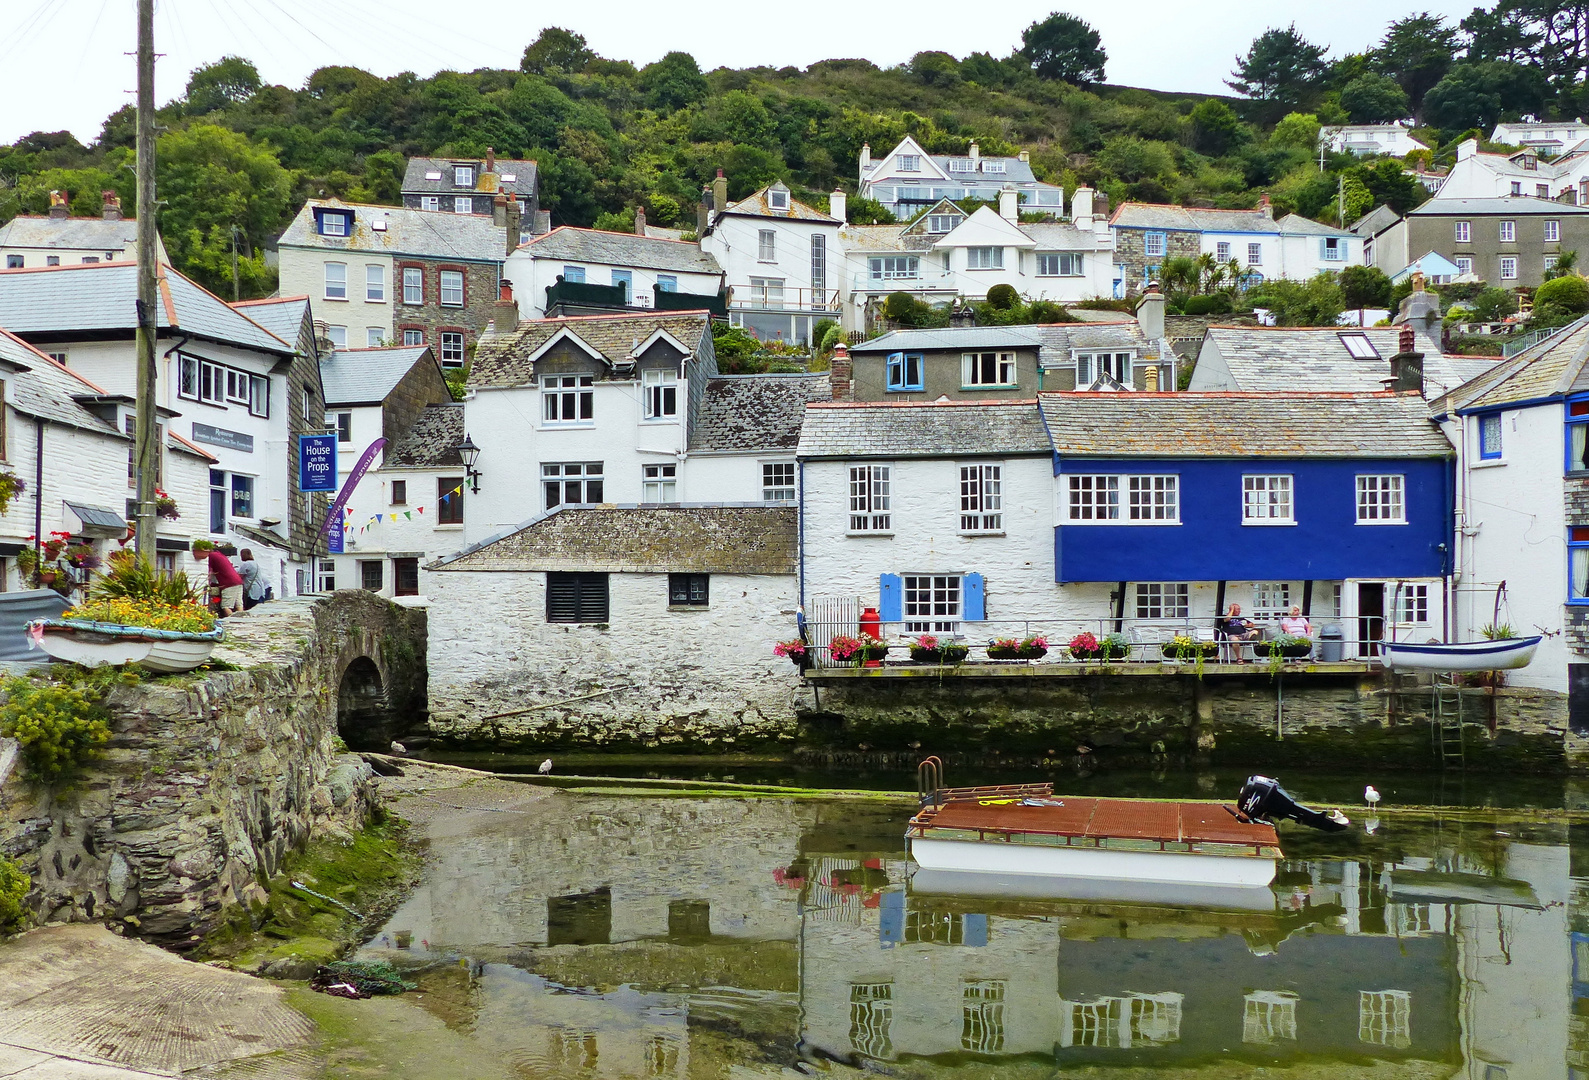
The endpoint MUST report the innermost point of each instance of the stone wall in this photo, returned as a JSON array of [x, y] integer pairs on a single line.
[[480, 290], [210, 781], [1130, 251]]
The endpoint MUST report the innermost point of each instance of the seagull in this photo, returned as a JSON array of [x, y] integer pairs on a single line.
[[546, 767], [1370, 796], [399, 748]]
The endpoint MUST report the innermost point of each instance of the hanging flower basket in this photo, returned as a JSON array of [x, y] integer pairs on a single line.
[[795, 652], [165, 506], [1182, 647]]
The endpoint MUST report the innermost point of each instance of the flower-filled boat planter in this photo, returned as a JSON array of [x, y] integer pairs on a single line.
[[1031, 648], [1288, 646], [1086, 648], [83, 641]]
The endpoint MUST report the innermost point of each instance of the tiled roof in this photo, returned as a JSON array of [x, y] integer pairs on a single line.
[[427, 233], [1516, 204], [414, 181], [281, 315], [431, 442], [102, 297], [1190, 424], [953, 337], [621, 249], [1015, 171], [366, 376], [720, 539], [1059, 339], [92, 234], [47, 390], [1058, 236], [1265, 359], [756, 412], [1549, 369], [882, 238], [504, 359], [921, 429], [756, 206]]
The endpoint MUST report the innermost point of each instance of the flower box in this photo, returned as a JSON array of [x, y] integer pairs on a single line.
[[943, 654], [91, 644], [1187, 649]]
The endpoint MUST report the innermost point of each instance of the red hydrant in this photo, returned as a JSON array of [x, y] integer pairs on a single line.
[[872, 625]]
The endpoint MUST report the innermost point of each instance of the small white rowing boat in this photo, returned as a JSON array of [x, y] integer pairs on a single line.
[[1503, 654]]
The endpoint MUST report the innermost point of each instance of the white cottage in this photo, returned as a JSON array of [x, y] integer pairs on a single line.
[[568, 270], [907, 179]]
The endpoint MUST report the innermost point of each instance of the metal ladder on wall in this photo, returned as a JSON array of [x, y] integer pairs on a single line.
[[1445, 721]]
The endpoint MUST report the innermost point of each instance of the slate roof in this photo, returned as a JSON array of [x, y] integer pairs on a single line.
[[883, 238], [921, 429], [431, 442], [1058, 236], [504, 359], [756, 412], [102, 297], [1135, 215], [428, 233], [1515, 205], [1549, 369], [1239, 425], [1375, 221], [709, 539], [366, 376], [953, 337], [73, 232], [621, 249], [1059, 339], [756, 206], [281, 315], [1015, 171], [1262, 359], [414, 181], [47, 390], [1296, 223]]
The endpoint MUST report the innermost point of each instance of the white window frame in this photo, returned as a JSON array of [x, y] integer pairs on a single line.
[[1267, 499], [375, 283], [338, 335], [463, 176], [430, 202], [1508, 267], [894, 267], [447, 290], [413, 337], [1092, 497], [982, 498], [1163, 599], [777, 200], [1153, 499], [910, 163], [1334, 249], [1059, 264], [1508, 231], [659, 482], [1153, 244], [1464, 232], [871, 499], [336, 283], [1381, 499], [939, 224], [766, 245], [1271, 600], [462, 204], [373, 336], [660, 394], [413, 286], [1552, 231], [1548, 263], [932, 603], [1413, 604], [330, 225], [568, 400], [1465, 264], [993, 166], [778, 481], [984, 258], [1001, 365], [1255, 254], [452, 348], [960, 164], [1222, 251], [767, 291]]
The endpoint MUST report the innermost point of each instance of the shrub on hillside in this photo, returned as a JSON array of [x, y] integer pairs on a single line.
[[1571, 294]]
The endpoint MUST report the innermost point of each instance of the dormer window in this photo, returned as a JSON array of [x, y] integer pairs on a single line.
[[1530, 162], [463, 176], [509, 177], [777, 198], [992, 166], [943, 223], [334, 222], [962, 165], [910, 163]]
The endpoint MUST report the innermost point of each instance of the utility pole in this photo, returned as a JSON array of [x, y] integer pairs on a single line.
[[235, 295], [146, 453]]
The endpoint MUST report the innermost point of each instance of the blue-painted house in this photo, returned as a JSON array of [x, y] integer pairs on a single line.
[[1340, 503]]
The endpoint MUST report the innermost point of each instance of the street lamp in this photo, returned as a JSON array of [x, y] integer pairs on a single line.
[[470, 454]]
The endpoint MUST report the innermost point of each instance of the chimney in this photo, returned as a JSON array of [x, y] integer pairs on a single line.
[[1263, 206], [543, 223], [866, 157], [1150, 312], [1406, 367], [491, 160], [1081, 208], [1009, 204], [1467, 148], [505, 312], [1024, 156], [842, 372], [639, 221], [322, 338], [1150, 379], [58, 207], [703, 211], [112, 205], [515, 223], [974, 151], [499, 211], [836, 207], [719, 194]]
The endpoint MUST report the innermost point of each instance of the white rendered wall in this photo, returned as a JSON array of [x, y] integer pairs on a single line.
[[303, 274], [715, 478], [533, 274], [734, 242]]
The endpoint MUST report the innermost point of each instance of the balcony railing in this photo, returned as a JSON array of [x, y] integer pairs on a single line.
[[925, 279], [618, 298], [783, 299], [1513, 346]]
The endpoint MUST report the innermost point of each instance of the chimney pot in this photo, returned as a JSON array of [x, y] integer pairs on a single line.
[[505, 312], [1150, 379], [1025, 155], [719, 195], [1009, 204], [58, 205], [491, 160], [639, 221], [514, 220], [112, 205], [974, 151], [1150, 312], [837, 205], [841, 372]]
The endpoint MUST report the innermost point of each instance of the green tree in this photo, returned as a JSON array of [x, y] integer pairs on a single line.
[[1417, 52], [383, 176], [1493, 305], [935, 68], [1281, 70], [1478, 95], [673, 82], [1315, 302], [1132, 159], [1352, 201], [982, 69], [1215, 128], [864, 211], [556, 50], [1389, 184], [1566, 263], [1365, 287], [1003, 297], [1374, 99], [231, 80], [1570, 293], [1066, 48], [1299, 130]]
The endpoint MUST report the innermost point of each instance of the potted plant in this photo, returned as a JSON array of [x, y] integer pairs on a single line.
[[165, 506], [11, 485], [927, 649], [83, 556], [1004, 648], [795, 651], [1291, 646], [845, 648], [1033, 647], [1184, 647], [1084, 647], [1115, 647]]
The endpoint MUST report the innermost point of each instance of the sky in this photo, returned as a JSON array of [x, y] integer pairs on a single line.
[[74, 53]]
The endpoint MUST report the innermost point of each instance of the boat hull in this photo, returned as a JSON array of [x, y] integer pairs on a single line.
[[1503, 655], [1163, 867], [94, 649]]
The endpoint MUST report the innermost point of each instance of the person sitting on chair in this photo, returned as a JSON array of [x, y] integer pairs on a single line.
[[1296, 624], [1236, 628]]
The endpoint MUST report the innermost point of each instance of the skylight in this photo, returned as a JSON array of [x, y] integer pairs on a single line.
[[1359, 346]]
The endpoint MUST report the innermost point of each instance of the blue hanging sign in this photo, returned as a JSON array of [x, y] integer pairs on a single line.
[[317, 462]]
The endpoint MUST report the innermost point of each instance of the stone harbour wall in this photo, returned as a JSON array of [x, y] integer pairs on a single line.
[[211, 780]]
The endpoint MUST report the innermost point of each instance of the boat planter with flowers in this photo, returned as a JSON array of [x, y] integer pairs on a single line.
[[1009, 648], [865, 649], [1287, 646], [1088, 649], [134, 614], [929, 650]]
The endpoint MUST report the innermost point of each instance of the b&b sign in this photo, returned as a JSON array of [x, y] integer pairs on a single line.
[[317, 462]]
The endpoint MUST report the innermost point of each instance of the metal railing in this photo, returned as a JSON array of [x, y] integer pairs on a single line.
[[765, 298], [1513, 346]]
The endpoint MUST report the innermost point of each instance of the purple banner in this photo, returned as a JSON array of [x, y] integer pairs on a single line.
[[335, 514]]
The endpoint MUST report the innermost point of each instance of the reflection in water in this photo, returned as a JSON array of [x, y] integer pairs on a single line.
[[608, 937]]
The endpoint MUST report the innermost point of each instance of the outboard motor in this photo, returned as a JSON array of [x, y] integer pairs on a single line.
[[1263, 799]]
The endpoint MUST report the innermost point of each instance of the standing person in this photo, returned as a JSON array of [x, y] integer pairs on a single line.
[[224, 575], [253, 581]]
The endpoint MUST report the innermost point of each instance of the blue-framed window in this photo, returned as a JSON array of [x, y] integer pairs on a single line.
[[1578, 435], [1490, 436], [333, 222], [1153, 244], [904, 371], [1578, 564]]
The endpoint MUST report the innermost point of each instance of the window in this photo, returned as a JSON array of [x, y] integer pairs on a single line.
[[1464, 232], [1163, 600], [819, 268], [981, 498], [212, 383], [910, 163], [573, 483], [1268, 1016], [13, 262], [375, 283], [1490, 436], [661, 386], [449, 500], [242, 496], [624, 279], [412, 336], [1254, 254], [988, 369], [462, 204], [1359, 347], [1059, 264], [576, 598], [1508, 267], [338, 336], [904, 371], [985, 258], [766, 245], [1517, 187], [1414, 606], [1153, 244], [667, 283], [1384, 1018], [452, 288], [330, 225], [1094, 498], [992, 166], [1154, 498], [568, 399], [778, 481], [1508, 232], [451, 348], [1552, 232], [1334, 249], [336, 281], [463, 176], [1548, 263], [217, 501], [399, 492], [894, 267], [962, 165], [413, 285], [870, 498], [1271, 600], [90, 259], [187, 377], [430, 202], [1089, 367], [943, 223], [982, 1016], [871, 1016], [1577, 429], [1465, 264], [767, 291], [1379, 500], [1578, 564], [1222, 251], [689, 590], [575, 274], [659, 483], [1266, 500], [405, 576], [58, 357], [55, 260], [372, 574], [373, 336], [777, 199], [932, 604]]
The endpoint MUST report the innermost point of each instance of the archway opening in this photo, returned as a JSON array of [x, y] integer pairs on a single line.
[[363, 718]]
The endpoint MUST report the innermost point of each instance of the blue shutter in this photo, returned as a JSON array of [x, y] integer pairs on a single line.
[[975, 930], [891, 928], [1324, 248], [974, 592], [891, 598]]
